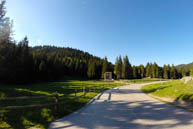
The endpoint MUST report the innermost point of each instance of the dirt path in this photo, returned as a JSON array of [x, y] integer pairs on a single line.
[[126, 108]]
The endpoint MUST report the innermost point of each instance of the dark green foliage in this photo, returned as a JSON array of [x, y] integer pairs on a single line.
[[155, 71], [118, 67], [105, 67], [142, 71], [91, 70], [21, 64], [174, 73], [148, 70], [135, 72], [127, 72], [124, 70]]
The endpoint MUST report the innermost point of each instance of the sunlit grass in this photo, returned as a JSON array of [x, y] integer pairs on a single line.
[[177, 90], [41, 117], [144, 80]]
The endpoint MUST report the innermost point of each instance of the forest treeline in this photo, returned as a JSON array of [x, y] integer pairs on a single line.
[[20, 63], [124, 70]]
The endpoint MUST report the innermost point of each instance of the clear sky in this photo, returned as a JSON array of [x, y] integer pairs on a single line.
[[145, 30]]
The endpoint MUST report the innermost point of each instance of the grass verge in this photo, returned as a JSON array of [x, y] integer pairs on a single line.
[[175, 92], [144, 80], [41, 117]]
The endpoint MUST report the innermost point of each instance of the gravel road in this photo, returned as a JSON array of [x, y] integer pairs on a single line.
[[126, 107]]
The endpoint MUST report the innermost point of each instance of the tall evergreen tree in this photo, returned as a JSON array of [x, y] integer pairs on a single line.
[[169, 71], [165, 70], [120, 64], [142, 71], [147, 74], [105, 67], [116, 69], [135, 72], [91, 70], [126, 69]]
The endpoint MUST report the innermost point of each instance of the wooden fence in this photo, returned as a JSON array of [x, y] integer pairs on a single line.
[[56, 96]]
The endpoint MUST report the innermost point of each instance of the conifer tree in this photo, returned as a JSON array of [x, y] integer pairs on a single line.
[[91, 69], [134, 72], [169, 71], [126, 69], [104, 67], [120, 64], [147, 74], [165, 70], [173, 72], [116, 69], [142, 71]]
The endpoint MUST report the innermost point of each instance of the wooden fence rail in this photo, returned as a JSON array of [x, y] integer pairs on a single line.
[[56, 96]]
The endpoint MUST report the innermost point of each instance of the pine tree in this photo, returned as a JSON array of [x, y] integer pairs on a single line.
[[118, 67], [142, 71], [91, 70], [169, 71], [105, 67], [155, 70], [126, 69], [166, 72], [120, 64], [147, 68], [134, 72], [116, 70], [173, 72]]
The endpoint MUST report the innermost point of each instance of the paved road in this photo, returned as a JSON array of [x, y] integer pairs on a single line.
[[126, 108]]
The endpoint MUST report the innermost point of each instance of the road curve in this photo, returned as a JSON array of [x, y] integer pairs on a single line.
[[126, 107]]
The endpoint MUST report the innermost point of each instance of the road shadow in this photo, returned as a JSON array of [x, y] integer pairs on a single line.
[[127, 115]]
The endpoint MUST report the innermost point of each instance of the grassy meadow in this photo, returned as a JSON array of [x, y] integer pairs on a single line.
[[175, 90], [144, 80], [41, 117]]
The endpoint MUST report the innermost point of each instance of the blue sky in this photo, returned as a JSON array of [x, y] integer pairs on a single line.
[[145, 30]]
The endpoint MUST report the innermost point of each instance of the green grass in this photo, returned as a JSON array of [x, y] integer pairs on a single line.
[[176, 90], [145, 80], [41, 117]]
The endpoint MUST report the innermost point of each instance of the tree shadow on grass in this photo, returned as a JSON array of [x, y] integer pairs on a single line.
[[155, 89], [188, 97], [145, 114]]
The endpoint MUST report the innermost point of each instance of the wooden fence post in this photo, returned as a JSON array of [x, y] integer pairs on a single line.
[[57, 102]]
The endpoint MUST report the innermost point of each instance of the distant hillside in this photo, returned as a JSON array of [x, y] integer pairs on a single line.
[[185, 66], [65, 52]]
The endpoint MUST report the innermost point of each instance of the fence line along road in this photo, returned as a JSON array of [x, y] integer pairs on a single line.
[[56, 96]]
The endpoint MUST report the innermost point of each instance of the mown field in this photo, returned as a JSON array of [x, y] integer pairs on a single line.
[[176, 90], [145, 80], [41, 117]]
